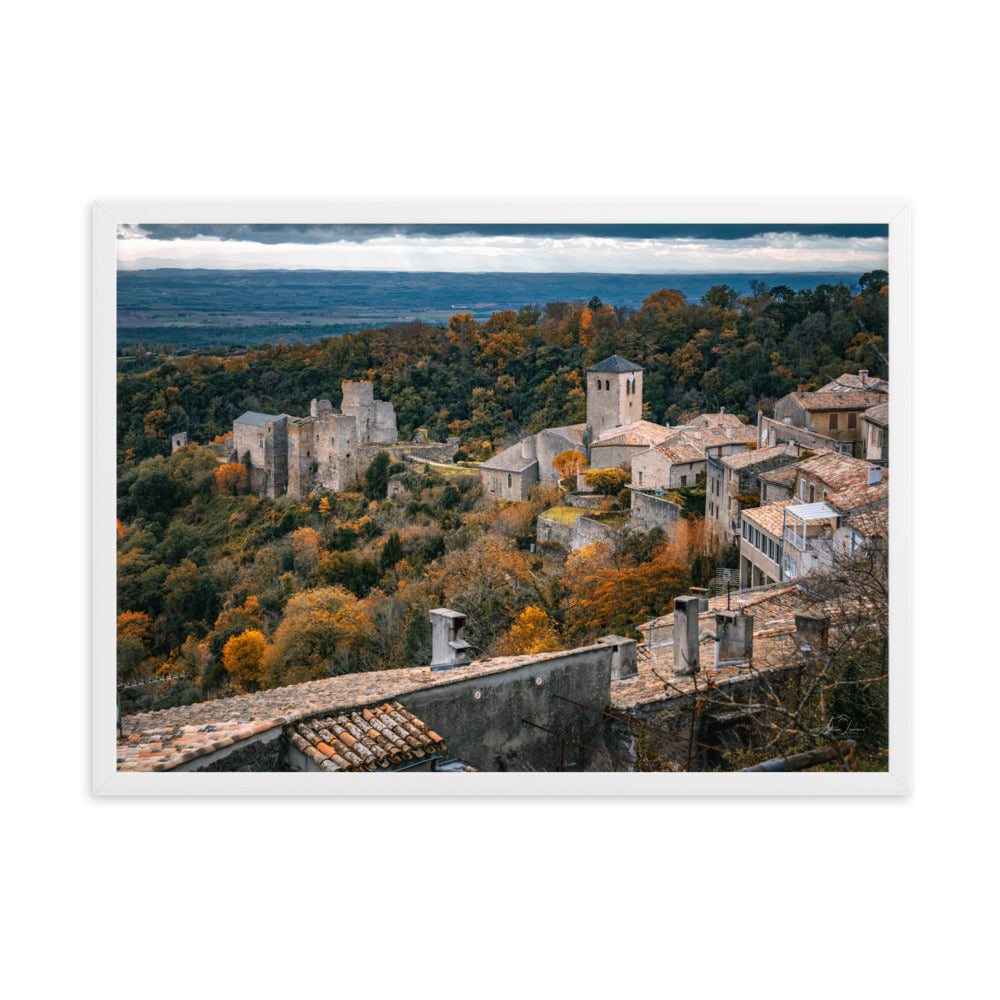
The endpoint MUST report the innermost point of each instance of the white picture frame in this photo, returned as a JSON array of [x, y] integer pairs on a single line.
[[108, 215]]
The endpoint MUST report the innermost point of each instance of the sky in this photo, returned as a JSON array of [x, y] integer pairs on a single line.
[[626, 249]]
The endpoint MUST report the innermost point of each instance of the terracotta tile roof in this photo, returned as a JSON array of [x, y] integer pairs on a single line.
[[681, 452], [642, 432], [848, 382], [162, 740], [656, 681], [835, 470], [784, 475], [367, 739], [747, 459], [849, 399], [774, 608], [717, 420], [769, 518], [861, 495], [871, 523], [692, 441], [775, 603], [878, 414]]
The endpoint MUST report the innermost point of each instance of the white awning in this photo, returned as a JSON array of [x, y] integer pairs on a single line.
[[811, 511]]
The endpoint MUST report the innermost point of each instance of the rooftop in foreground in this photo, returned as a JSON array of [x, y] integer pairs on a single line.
[[165, 739]]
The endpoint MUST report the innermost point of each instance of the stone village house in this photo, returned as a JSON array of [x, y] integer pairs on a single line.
[[825, 516]]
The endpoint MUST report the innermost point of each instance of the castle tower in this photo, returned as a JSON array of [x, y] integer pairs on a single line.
[[614, 395]]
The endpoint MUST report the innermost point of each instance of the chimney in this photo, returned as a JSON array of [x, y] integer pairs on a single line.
[[448, 647], [733, 637], [863, 374], [722, 409], [812, 634], [686, 635], [624, 656], [702, 594], [874, 475]]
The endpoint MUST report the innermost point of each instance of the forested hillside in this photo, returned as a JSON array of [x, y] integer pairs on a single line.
[[220, 591], [521, 371]]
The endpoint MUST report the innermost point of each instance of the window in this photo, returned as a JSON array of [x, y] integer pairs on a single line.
[[607, 384], [640, 478], [852, 421], [684, 480], [812, 493], [598, 383], [834, 421], [802, 490], [510, 479], [260, 440]]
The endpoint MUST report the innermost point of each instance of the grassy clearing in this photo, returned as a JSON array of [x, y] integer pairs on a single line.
[[453, 470], [564, 515]]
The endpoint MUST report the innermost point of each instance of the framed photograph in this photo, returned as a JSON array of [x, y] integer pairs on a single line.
[[524, 498]]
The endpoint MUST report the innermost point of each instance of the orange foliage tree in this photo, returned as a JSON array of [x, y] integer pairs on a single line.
[[231, 478], [603, 596], [243, 657], [569, 464]]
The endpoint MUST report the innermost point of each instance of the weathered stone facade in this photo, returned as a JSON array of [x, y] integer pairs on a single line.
[[327, 450], [650, 511], [614, 395]]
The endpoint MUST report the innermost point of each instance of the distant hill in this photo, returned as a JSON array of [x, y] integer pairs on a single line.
[[193, 307]]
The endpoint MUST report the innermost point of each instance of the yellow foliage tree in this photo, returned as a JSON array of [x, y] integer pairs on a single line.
[[533, 631], [321, 631], [243, 657]]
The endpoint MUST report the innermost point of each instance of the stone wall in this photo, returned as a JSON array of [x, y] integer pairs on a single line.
[[587, 500], [584, 531], [774, 432], [614, 456], [554, 531], [668, 731], [266, 752], [650, 511], [493, 722], [651, 470]]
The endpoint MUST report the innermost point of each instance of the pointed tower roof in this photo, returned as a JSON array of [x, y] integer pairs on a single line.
[[615, 364]]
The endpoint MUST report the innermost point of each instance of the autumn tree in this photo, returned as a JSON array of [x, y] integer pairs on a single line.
[[490, 581], [606, 595], [135, 632], [231, 478], [243, 657], [533, 631], [322, 629], [606, 481], [569, 464]]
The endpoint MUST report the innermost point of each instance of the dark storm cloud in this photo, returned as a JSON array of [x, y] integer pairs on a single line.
[[305, 233]]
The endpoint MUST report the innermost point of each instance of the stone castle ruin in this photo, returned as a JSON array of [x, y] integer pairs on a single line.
[[328, 450]]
